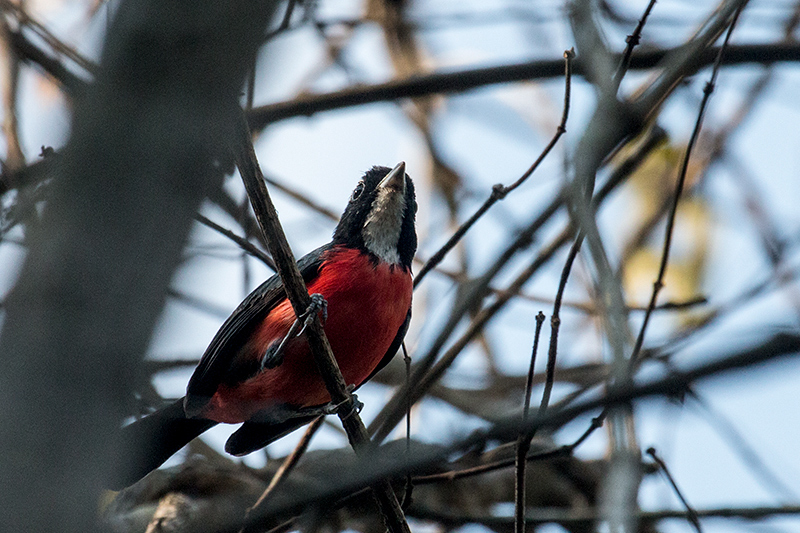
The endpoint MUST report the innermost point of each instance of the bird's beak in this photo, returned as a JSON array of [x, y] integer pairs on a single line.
[[395, 180]]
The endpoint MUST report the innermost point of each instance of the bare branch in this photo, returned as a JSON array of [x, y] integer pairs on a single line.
[[662, 269], [288, 464], [244, 244], [128, 195], [297, 294], [691, 514], [460, 81], [499, 191], [524, 441]]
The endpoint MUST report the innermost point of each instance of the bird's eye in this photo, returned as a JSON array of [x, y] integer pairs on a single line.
[[358, 191]]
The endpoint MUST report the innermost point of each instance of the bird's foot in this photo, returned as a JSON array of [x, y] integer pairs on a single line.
[[273, 357], [318, 303], [356, 406], [331, 408]]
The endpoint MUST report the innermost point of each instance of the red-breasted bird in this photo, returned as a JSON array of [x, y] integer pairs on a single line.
[[364, 275]]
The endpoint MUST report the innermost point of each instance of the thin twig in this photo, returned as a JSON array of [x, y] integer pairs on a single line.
[[555, 322], [591, 309], [288, 464], [243, 243], [298, 295], [301, 198], [684, 60], [500, 191], [691, 514], [524, 440], [662, 269], [409, 491], [529, 383], [632, 42], [562, 451]]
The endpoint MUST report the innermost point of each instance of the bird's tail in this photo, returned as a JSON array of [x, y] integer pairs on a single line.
[[151, 440]]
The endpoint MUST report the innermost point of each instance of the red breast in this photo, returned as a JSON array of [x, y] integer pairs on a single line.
[[367, 304]]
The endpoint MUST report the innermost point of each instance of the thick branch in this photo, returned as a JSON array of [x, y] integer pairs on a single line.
[[141, 157]]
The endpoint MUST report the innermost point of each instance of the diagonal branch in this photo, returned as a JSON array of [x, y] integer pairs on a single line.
[[662, 269], [499, 191], [297, 294]]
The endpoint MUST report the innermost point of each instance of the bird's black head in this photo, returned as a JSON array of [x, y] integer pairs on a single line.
[[380, 216]]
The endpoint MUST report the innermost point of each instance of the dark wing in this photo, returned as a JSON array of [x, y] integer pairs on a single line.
[[390, 353], [215, 364]]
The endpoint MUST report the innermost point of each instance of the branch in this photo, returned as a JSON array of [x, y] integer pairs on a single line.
[[499, 191], [691, 514], [288, 464], [465, 80], [243, 243], [140, 159], [385, 462], [297, 294], [658, 284], [28, 51], [574, 518]]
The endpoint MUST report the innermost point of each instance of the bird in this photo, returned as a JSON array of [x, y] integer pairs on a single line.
[[259, 372]]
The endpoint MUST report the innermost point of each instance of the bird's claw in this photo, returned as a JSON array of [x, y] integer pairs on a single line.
[[273, 356], [332, 409], [318, 303]]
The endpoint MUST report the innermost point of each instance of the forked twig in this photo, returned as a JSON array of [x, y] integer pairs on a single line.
[[632, 42], [499, 191], [524, 440], [662, 269]]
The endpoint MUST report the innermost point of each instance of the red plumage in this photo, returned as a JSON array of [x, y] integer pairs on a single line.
[[367, 305]]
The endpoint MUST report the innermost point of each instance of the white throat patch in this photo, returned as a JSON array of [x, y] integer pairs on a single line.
[[381, 231]]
